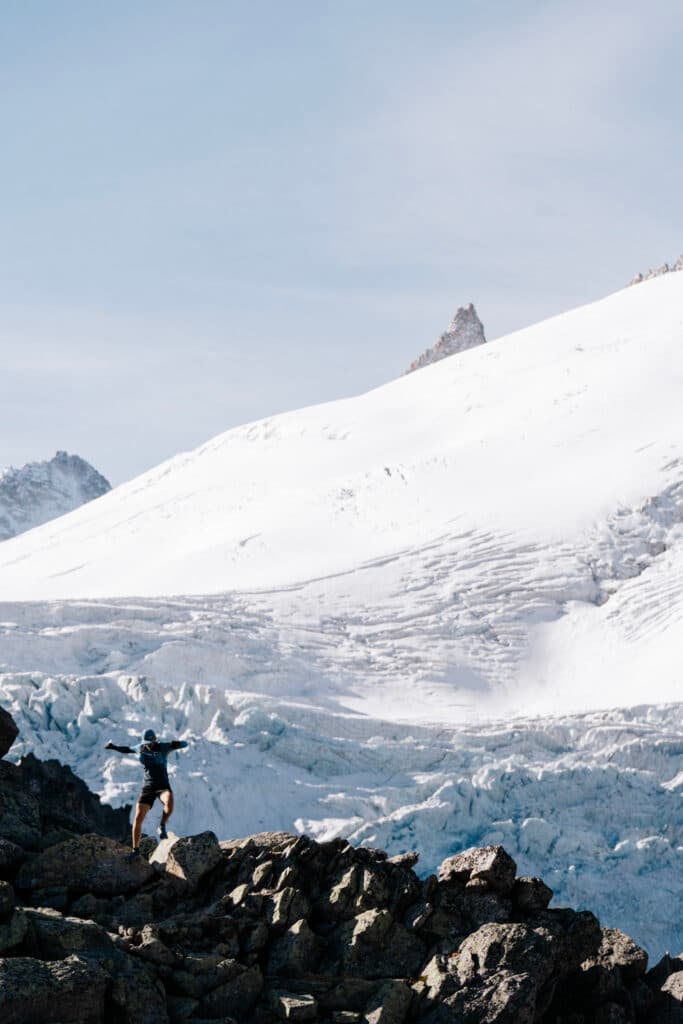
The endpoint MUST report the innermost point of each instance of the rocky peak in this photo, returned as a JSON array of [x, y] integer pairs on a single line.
[[464, 331], [40, 491], [657, 272]]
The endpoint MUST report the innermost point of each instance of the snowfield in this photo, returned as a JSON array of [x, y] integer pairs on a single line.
[[444, 613]]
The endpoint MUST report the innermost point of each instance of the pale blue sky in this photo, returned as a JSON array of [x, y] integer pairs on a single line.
[[212, 211]]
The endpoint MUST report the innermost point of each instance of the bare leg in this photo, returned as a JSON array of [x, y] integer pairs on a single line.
[[141, 812], [167, 803]]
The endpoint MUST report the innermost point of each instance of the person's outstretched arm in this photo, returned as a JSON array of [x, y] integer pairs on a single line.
[[174, 745], [121, 750]]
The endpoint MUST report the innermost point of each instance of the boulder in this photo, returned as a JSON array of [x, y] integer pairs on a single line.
[[7, 900], [236, 996], [89, 863], [66, 803], [8, 731], [11, 857], [619, 950], [373, 945], [296, 1007], [286, 907], [490, 864], [296, 952], [12, 932], [137, 996], [531, 895], [390, 1004], [53, 937], [67, 991], [673, 987], [511, 948], [504, 998], [191, 858], [19, 810]]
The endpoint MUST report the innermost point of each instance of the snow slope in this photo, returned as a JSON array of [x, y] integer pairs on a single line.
[[397, 617]]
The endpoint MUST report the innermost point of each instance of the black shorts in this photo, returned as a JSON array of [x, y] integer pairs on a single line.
[[148, 794]]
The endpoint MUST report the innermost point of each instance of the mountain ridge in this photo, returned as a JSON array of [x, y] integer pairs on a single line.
[[38, 492]]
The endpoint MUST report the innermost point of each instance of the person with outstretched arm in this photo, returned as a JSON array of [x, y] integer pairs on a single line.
[[153, 756]]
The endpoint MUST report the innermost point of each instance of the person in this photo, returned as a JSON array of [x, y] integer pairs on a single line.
[[153, 756]]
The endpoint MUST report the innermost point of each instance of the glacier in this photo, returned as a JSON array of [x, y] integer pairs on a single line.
[[444, 613]]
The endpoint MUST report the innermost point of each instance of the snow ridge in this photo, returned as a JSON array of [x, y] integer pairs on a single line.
[[41, 491]]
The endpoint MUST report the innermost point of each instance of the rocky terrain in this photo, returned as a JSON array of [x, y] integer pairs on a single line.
[[464, 331], [278, 927], [41, 491], [657, 272]]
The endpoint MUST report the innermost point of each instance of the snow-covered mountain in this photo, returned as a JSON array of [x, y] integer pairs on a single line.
[[464, 331], [444, 612], [40, 491]]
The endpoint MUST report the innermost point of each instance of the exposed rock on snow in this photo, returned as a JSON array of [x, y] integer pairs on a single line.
[[657, 272], [464, 331], [41, 491], [262, 937]]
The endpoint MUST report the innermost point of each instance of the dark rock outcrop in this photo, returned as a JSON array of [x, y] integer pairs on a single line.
[[464, 331], [278, 927], [42, 802], [8, 731]]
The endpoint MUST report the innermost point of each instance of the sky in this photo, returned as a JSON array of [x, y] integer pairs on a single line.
[[215, 211]]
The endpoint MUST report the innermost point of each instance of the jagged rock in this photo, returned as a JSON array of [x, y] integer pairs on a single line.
[[11, 857], [352, 994], [299, 1007], [191, 858], [67, 991], [137, 995], [7, 900], [19, 809], [658, 974], [12, 931], [390, 1005], [668, 1008], [50, 936], [295, 952], [531, 895], [504, 998], [619, 950], [43, 802], [512, 947], [286, 907], [236, 996], [65, 801], [89, 863], [405, 860], [476, 947], [464, 331], [490, 864], [8, 731], [375, 946]]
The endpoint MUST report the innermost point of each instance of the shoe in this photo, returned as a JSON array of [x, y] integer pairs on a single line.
[[163, 834], [133, 855]]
